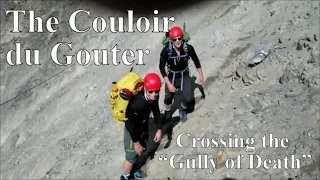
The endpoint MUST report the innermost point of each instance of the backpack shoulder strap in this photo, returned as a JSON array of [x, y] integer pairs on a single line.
[[169, 48], [185, 47]]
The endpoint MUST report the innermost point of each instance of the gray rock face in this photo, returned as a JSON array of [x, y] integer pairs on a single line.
[[56, 122]]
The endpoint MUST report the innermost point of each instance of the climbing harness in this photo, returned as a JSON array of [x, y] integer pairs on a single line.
[[182, 75], [177, 58]]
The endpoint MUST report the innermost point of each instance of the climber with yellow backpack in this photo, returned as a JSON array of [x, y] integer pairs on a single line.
[[133, 99]]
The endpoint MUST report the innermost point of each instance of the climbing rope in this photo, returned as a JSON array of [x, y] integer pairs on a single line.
[[55, 75]]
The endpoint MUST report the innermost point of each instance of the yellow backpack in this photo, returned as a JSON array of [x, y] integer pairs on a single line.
[[122, 90]]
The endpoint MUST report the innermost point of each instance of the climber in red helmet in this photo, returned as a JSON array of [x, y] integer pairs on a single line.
[[137, 131], [176, 55]]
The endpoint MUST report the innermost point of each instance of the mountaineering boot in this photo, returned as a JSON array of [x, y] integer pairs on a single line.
[[122, 177], [167, 116], [183, 114], [139, 175]]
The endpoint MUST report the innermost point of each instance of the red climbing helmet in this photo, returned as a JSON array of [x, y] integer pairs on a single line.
[[175, 32], [152, 82]]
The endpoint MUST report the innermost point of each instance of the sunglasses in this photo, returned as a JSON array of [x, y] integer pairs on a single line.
[[177, 39], [151, 92]]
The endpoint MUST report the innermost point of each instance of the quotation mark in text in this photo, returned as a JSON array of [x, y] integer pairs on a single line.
[[306, 156], [162, 157]]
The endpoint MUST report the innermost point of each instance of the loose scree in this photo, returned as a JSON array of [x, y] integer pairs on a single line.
[[251, 160], [83, 56]]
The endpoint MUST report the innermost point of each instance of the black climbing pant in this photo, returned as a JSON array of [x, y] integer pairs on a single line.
[[187, 92], [152, 146]]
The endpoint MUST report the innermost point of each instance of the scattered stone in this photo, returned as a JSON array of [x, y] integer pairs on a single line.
[[292, 94], [246, 76], [228, 74], [203, 112], [250, 75], [312, 58], [286, 77], [256, 111], [315, 37], [299, 47], [245, 105], [222, 158], [279, 41], [259, 74], [314, 133], [234, 84], [295, 178], [307, 39], [272, 13], [240, 72]]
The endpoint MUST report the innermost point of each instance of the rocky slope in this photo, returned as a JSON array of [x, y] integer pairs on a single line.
[[62, 128]]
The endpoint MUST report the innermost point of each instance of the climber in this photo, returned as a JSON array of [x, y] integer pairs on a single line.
[[136, 130], [176, 54]]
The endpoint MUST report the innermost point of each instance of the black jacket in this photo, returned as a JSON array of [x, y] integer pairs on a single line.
[[138, 112], [179, 64]]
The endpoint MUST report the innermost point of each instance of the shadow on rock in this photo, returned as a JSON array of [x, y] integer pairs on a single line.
[[144, 7], [191, 106], [167, 129], [152, 147], [197, 86], [210, 80]]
